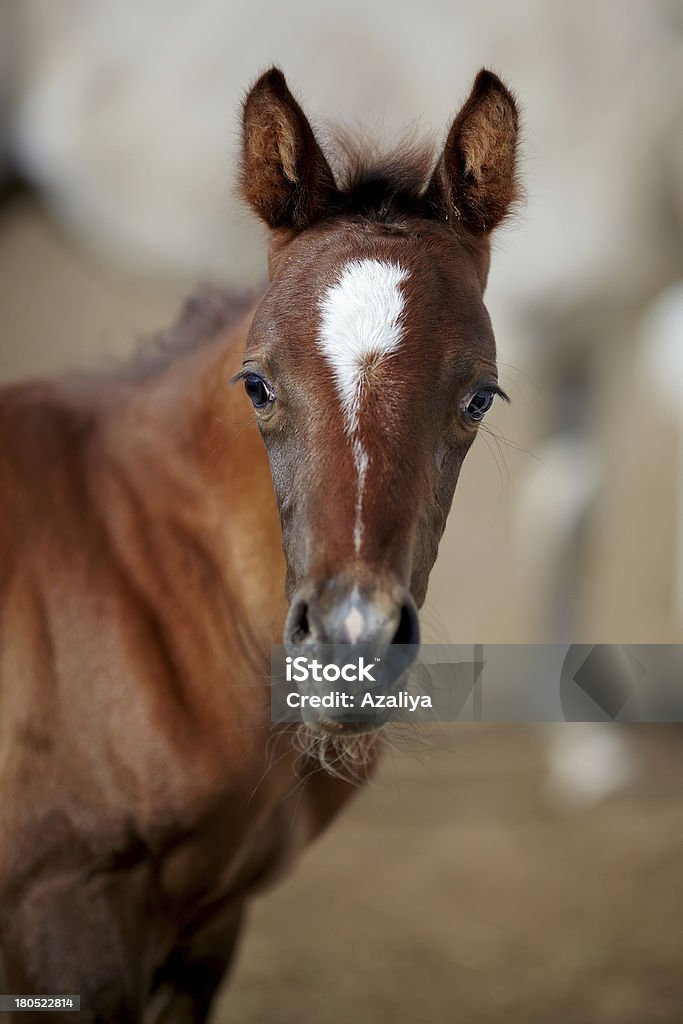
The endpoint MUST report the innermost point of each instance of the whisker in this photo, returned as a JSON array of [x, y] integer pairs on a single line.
[[534, 384], [513, 445], [501, 451], [482, 435]]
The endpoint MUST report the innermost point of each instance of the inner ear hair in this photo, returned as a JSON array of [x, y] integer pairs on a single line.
[[284, 177], [474, 182]]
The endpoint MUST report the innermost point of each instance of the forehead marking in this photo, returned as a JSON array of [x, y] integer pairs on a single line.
[[360, 322], [360, 325]]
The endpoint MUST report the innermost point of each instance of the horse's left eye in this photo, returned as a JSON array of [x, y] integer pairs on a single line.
[[258, 391], [479, 404]]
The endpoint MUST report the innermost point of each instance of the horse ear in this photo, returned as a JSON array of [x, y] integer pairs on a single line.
[[474, 180], [284, 175]]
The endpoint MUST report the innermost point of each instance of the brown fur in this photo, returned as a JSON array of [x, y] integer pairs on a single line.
[[138, 789], [145, 794]]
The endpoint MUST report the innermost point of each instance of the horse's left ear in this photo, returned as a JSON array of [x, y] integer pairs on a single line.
[[474, 180], [285, 177]]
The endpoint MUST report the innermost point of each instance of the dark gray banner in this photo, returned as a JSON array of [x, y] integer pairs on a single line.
[[480, 683], [33, 1004]]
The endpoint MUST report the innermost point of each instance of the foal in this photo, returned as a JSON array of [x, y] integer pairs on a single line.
[[144, 793]]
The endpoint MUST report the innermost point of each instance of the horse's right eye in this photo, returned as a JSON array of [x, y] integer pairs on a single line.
[[258, 391]]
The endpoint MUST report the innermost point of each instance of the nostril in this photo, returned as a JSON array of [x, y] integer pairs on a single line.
[[299, 628], [408, 630], [351, 621]]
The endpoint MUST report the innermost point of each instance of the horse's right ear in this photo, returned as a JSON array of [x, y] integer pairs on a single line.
[[285, 177]]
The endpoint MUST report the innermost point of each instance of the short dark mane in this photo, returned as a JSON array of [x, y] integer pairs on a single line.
[[378, 183], [202, 317]]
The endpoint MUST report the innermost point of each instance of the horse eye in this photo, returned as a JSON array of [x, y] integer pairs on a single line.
[[258, 391], [479, 404]]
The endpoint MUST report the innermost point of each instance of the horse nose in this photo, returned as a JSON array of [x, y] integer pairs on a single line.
[[381, 624], [345, 615]]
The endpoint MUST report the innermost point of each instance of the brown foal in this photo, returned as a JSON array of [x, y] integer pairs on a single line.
[[145, 794]]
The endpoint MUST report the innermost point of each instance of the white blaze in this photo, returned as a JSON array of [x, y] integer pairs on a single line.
[[359, 328], [354, 623]]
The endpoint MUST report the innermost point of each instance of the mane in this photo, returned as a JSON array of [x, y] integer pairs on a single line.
[[203, 316], [378, 183]]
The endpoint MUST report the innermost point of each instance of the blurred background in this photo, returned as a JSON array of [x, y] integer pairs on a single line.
[[490, 873]]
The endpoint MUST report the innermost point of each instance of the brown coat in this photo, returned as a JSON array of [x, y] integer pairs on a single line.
[[141, 586]]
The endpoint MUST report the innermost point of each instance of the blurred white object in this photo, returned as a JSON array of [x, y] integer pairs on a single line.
[[128, 116], [554, 496], [589, 762], [662, 355]]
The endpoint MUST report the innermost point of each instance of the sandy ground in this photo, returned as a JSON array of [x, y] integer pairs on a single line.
[[457, 887], [458, 890]]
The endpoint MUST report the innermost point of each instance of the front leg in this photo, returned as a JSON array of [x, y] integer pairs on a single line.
[[73, 934], [185, 985]]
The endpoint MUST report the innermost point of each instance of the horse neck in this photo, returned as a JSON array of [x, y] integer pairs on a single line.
[[192, 451]]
